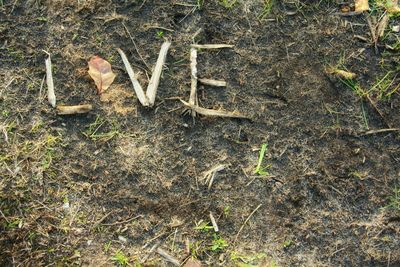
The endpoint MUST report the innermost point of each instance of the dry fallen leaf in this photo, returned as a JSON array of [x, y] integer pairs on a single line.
[[101, 73], [361, 5], [192, 263]]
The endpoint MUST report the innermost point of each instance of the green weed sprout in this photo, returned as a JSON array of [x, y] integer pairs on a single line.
[[120, 258], [260, 170]]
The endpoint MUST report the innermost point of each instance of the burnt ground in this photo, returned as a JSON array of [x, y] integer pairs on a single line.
[[109, 186]]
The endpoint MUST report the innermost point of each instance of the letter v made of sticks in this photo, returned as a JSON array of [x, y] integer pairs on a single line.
[[147, 99]]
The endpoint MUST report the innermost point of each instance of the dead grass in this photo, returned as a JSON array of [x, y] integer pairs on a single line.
[[111, 186]]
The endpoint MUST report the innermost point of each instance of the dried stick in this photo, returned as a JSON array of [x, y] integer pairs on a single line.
[[248, 218], [213, 82], [214, 223], [211, 46], [193, 74], [155, 78], [136, 85], [168, 257], [382, 131], [70, 110], [379, 111], [50, 84], [214, 113]]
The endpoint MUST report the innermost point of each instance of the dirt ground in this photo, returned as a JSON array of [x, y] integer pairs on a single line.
[[112, 186]]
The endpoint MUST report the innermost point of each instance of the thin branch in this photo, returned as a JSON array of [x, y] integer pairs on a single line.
[[214, 113], [248, 218], [50, 84], [381, 131], [136, 48], [155, 78], [168, 257]]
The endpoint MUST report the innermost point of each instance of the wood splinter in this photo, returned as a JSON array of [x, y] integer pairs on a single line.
[[212, 82], [70, 110], [214, 223], [51, 97], [168, 257]]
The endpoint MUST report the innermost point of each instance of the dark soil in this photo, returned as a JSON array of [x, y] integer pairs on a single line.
[[75, 190]]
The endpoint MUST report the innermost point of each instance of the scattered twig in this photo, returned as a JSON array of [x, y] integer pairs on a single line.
[[50, 84], [214, 113], [214, 223], [379, 111], [158, 27], [248, 218], [209, 175], [122, 222], [213, 82], [101, 219], [362, 38], [381, 131], [150, 252], [155, 78], [5, 218], [136, 48], [347, 14], [136, 85], [211, 46], [168, 257], [70, 110], [193, 74], [41, 88]]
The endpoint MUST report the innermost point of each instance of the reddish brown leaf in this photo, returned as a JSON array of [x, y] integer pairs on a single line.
[[101, 73]]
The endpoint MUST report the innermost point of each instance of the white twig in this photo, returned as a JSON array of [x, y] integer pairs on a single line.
[[193, 73], [50, 84], [213, 82], [168, 257], [136, 85], [214, 223], [211, 46], [155, 78]]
